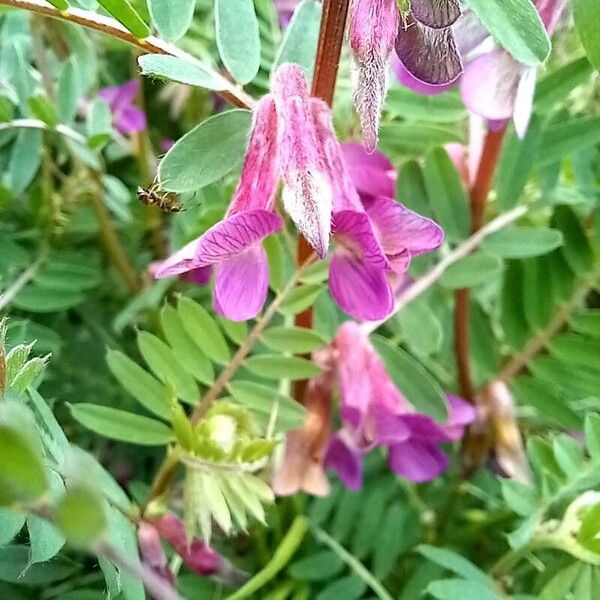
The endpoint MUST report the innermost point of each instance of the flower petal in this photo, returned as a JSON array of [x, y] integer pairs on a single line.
[[359, 288], [489, 85], [424, 428], [407, 79], [307, 194], [345, 460], [437, 14], [461, 414], [179, 262], [390, 427], [372, 173], [258, 181], [130, 120], [430, 55], [199, 276], [242, 284], [235, 234], [354, 231], [524, 101], [400, 229], [417, 461], [550, 12]]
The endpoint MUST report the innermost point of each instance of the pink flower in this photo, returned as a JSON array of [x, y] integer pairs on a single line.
[[374, 413], [497, 87], [234, 245], [151, 551], [127, 117]]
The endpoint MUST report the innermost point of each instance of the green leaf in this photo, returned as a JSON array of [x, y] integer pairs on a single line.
[[187, 352], [295, 340], [99, 124], [451, 589], [238, 38], [566, 136], [260, 400], [587, 16], [163, 362], [587, 322], [236, 331], [203, 330], [174, 68], [147, 390], [299, 44], [319, 566], [516, 26], [81, 517], [127, 15], [560, 585], [592, 435], [206, 153], [516, 163], [568, 455], [24, 162], [38, 299], [275, 366], [521, 498], [409, 376], [577, 249], [535, 283], [576, 349], [472, 270], [121, 425], [447, 195], [14, 568], [299, 299], [68, 92], [521, 242], [556, 87], [22, 476], [443, 108], [60, 4], [11, 522], [422, 330], [43, 109], [351, 587], [588, 535], [173, 18], [453, 562]]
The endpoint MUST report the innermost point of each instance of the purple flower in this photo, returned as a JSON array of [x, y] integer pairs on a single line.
[[372, 174], [152, 553], [234, 244], [497, 87], [420, 32], [127, 117], [285, 10], [293, 139], [374, 413]]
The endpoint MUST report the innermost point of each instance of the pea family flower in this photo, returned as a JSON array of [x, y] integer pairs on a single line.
[[421, 33], [374, 413], [285, 10], [293, 140], [127, 117], [498, 87]]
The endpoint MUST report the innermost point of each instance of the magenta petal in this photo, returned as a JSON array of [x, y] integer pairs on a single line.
[[390, 428], [407, 79], [199, 276], [524, 101], [130, 120], [345, 461], [461, 414], [353, 230], [359, 288], [417, 461], [400, 229], [181, 261], [490, 83], [235, 234], [424, 428], [242, 284], [372, 173]]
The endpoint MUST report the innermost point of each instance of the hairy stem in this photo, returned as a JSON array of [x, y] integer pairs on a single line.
[[544, 337], [479, 194], [151, 44]]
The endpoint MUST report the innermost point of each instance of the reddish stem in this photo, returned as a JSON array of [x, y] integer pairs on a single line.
[[479, 194], [331, 37]]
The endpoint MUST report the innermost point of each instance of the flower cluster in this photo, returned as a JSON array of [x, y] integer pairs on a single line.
[[293, 140], [421, 33], [373, 413]]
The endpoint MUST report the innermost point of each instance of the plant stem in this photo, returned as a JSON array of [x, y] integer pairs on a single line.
[[479, 194], [164, 476], [151, 44], [424, 283], [331, 37], [111, 242], [542, 339]]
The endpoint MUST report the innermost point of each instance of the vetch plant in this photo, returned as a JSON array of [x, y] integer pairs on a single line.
[[362, 359]]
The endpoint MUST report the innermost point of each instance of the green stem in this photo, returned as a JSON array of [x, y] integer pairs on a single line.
[[281, 557]]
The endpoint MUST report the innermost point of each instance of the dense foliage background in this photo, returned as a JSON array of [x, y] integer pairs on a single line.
[[102, 364]]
